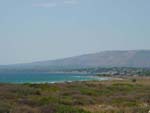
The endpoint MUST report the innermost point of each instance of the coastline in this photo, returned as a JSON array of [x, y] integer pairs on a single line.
[[94, 78], [50, 78]]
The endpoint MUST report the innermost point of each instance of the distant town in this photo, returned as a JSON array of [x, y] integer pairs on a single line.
[[113, 71]]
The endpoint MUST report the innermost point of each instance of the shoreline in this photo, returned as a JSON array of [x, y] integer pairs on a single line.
[[95, 78]]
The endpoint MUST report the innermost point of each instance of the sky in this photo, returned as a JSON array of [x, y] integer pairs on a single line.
[[35, 30]]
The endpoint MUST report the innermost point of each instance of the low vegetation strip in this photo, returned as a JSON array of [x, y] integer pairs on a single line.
[[116, 96]]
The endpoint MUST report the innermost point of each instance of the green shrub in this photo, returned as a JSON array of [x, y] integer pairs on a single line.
[[4, 107], [25, 91], [24, 109], [47, 100], [134, 80], [69, 109], [66, 100], [122, 87], [83, 100], [89, 91]]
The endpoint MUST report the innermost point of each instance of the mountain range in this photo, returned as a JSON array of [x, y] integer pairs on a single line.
[[128, 58]]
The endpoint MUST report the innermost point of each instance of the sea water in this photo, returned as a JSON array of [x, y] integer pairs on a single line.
[[44, 77]]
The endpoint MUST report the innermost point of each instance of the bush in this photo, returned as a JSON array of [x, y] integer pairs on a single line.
[[25, 91], [4, 107], [83, 100], [133, 80], [56, 108], [69, 109], [24, 109], [47, 100]]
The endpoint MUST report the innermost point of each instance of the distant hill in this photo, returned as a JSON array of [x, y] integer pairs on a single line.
[[131, 58]]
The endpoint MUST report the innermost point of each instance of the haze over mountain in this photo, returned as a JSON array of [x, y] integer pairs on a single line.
[[131, 58]]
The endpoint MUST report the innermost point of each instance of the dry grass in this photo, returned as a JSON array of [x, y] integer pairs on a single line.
[[114, 96]]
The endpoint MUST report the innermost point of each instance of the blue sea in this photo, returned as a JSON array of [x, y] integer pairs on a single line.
[[43, 77]]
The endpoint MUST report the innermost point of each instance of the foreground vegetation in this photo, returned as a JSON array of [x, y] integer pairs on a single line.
[[125, 96]]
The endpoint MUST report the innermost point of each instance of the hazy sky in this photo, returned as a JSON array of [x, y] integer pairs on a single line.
[[33, 30]]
